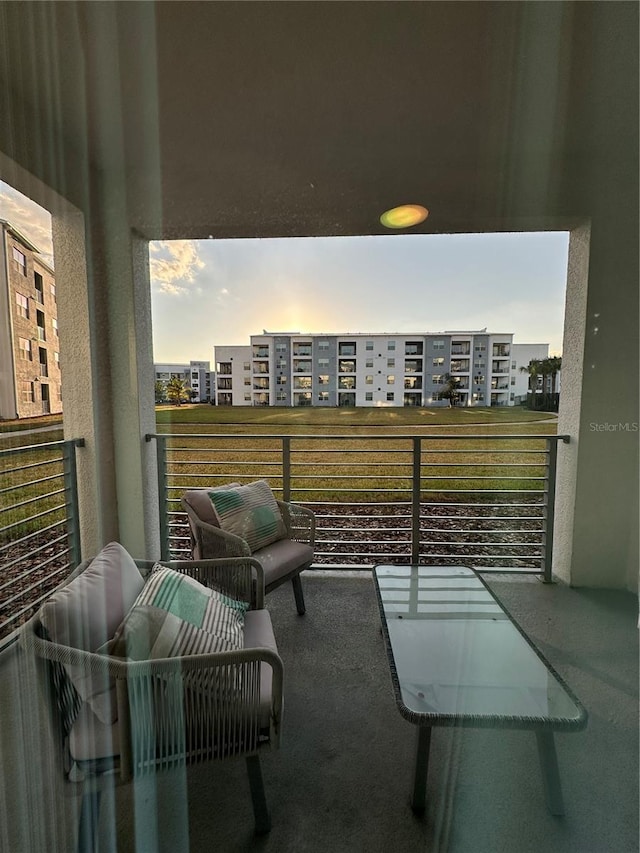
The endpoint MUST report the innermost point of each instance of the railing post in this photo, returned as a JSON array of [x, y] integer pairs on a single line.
[[71, 491], [549, 509], [415, 500], [286, 468], [163, 494]]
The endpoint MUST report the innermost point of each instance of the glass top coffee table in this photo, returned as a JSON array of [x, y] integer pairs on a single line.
[[458, 659]]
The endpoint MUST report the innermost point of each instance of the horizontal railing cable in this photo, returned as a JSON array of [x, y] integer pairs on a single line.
[[39, 530], [476, 499]]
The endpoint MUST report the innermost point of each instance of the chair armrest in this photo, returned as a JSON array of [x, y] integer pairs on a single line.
[[299, 521], [213, 541], [188, 697], [241, 578]]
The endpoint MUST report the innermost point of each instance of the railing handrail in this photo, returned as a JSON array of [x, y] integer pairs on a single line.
[[351, 436]]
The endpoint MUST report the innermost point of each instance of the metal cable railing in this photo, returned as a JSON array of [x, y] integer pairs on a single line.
[[39, 529], [483, 501]]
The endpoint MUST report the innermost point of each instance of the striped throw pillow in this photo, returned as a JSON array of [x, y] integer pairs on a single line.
[[250, 512], [175, 615]]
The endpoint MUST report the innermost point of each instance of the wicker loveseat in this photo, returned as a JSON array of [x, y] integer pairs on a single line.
[[114, 718]]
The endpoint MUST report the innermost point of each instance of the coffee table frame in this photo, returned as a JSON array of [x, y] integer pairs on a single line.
[[543, 728]]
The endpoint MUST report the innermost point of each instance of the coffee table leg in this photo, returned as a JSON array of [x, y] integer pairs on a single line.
[[550, 772], [423, 742]]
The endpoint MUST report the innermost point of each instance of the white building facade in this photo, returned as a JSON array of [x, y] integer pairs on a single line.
[[197, 375], [364, 369]]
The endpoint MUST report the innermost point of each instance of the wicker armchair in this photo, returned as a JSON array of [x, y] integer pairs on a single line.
[[162, 721], [281, 561]]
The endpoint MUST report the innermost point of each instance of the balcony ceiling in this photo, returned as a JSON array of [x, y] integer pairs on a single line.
[[282, 119]]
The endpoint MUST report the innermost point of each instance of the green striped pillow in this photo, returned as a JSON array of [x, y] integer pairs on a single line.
[[250, 512], [175, 615]]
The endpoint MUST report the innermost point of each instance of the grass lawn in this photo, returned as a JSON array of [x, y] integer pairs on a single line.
[[276, 419]]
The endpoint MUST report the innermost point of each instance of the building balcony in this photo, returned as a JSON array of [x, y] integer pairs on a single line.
[[501, 350], [460, 349], [338, 654]]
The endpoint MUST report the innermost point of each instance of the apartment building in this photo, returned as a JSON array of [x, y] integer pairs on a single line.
[[365, 369], [30, 380], [522, 355], [197, 376]]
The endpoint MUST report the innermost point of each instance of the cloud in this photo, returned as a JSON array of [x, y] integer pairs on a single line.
[[174, 265], [29, 218]]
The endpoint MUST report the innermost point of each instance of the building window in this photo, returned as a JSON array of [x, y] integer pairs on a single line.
[[281, 396], [247, 397], [347, 382], [323, 379], [54, 323], [52, 291], [513, 380], [39, 286], [391, 380], [368, 380], [56, 357], [346, 366], [323, 396], [437, 379], [246, 365], [347, 348], [23, 306], [42, 358], [281, 346], [323, 346], [369, 362], [390, 396], [323, 362], [27, 394], [480, 347], [25, 349], [281, 363], [40, 321], [369, 346], [391, 345], [438, 344], [391, 362], [247, 380], [20, 261], [513, 365], [368, 396], [512, 396], [479, 379], [281, 380]]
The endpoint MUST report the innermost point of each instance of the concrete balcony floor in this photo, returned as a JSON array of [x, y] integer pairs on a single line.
[[342, 778]]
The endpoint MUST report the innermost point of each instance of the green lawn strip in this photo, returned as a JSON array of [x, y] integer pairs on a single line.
[[30, 423], [271, 416], [29, 479]]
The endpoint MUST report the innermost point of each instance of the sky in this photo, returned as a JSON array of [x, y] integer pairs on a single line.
[[209, 293]]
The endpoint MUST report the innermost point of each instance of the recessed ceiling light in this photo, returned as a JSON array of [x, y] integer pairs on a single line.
[[404, 216]]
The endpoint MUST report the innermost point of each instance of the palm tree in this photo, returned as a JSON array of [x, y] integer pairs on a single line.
[[554, 367], [451, 390], [534, 369], [177, 391]]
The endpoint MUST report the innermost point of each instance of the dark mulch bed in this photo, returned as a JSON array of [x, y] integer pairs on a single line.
[[30, 569]]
